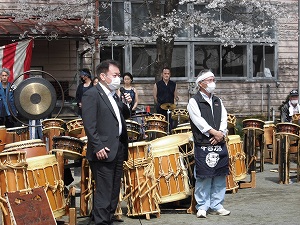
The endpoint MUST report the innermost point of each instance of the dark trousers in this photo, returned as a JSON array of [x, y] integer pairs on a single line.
[[107, 176], [8, 121]]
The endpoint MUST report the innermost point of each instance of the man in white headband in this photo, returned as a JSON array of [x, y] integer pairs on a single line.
[[208, 118]]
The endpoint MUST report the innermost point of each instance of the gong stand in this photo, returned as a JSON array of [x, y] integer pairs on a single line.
[[35, 97]]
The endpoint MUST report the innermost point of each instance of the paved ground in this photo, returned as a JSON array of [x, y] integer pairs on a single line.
[[268, 203]]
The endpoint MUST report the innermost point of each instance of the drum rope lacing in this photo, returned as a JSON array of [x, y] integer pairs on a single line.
[[170, 173], [149, 182], [58, 184]]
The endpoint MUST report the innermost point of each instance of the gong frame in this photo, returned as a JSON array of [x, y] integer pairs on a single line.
[[36, 117]]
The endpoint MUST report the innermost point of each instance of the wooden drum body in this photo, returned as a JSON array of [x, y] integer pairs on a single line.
[[231, 123], [180, 115], [140, 188], [43, 171], [13, 171], [183, 128], [133, 130], [53, 122], [12, 178], [138, 150], [71, 147], [33, 148], [254, 124], [16, 134], [75, 128], [290, 129], [169, 169], [296, 118], [2, 137], [237, 157]]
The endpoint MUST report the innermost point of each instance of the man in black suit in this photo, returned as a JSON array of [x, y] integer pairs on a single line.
[[103, 116]]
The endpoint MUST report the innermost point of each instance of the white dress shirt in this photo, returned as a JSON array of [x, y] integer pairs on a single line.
[[200, 122], [110, 95]]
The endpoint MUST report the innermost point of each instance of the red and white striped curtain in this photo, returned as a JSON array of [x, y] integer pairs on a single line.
[[17, 58]]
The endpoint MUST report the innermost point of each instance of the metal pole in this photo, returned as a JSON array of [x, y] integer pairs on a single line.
[[269, 101], [298, 44]]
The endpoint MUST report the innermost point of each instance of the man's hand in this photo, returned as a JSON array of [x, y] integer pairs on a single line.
[[102, 154], [218, 136]]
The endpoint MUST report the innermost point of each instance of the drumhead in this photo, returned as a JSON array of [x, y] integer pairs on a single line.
[[170, 141], [234, 139], [41, 161]]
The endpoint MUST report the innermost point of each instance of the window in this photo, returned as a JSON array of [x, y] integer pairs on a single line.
[[207, 57], [112, 17], [112, 52], [195, 49], [234, 61], [139, 16], [263, 61], [143, 59]]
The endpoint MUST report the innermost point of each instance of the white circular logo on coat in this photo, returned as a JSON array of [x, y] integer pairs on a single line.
[[212, 159]]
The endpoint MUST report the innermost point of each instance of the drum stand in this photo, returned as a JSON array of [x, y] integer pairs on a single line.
[[48, 135], [284, 158], [252, 137], [168, 118]]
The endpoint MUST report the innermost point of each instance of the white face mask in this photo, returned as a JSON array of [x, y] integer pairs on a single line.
[[294, 102], [114, 84], [210, 87]]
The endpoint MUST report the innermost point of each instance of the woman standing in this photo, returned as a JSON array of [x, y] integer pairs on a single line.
[[128, 78]]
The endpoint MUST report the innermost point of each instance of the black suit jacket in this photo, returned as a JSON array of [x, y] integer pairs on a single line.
[[101, 124]]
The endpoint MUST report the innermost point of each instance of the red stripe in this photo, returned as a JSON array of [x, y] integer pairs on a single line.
[[27, 62], [8, 57]]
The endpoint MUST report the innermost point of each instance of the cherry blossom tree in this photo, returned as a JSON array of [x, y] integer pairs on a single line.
[[224, 21]]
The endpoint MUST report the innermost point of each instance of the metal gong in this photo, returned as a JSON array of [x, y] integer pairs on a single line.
[[35, 98]]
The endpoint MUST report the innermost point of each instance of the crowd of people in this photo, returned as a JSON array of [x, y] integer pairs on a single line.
[[104, 105]]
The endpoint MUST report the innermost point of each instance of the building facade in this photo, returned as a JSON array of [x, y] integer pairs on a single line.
[[252, 78]]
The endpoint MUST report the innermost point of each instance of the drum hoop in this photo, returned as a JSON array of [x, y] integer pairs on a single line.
[[288, 134], [181, 139], [154, 120], [290, 124], [131, 121], [13, 153], [258, 120], [17, 128], [36, 142], [137, 144], [72, 121], [68, 138], [53, 119], [49, 128], [181, 128], [253, 128], [156, 131], [68, 153]]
